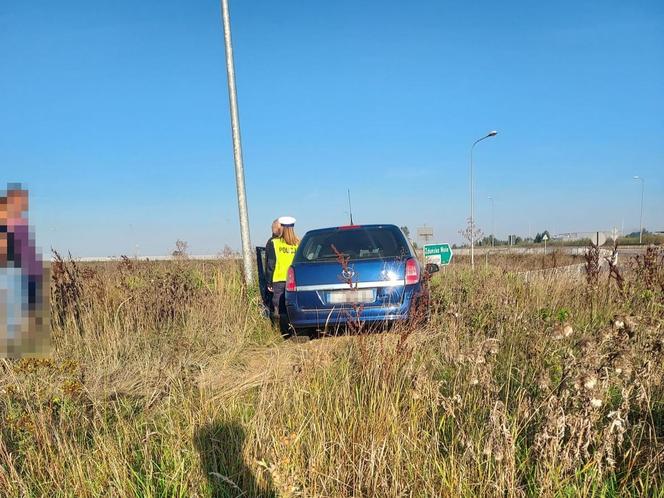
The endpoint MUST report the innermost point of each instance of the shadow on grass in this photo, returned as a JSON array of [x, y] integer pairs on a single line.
[[220, 446]]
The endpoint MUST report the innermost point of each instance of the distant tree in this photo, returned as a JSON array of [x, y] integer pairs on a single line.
[[486, 241], [636, 234], [405, 231], [180, 250], [498, 242], [227, 252], [471, 232], [540, 236]]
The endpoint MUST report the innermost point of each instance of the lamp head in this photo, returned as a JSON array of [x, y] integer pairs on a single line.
[[492, 133]]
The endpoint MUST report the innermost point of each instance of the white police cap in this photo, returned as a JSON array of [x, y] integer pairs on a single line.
[[287, 221]]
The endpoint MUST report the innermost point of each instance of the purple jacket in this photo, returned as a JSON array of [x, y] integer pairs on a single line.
[[25, 250]]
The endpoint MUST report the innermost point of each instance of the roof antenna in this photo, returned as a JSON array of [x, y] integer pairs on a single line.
[[350, 208]]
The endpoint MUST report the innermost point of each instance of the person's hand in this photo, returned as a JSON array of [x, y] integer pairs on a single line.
[[269, 288]]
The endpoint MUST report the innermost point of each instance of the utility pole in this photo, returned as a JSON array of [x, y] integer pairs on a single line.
[[247, 254], [641, 217], [492, 222], [472, 198]]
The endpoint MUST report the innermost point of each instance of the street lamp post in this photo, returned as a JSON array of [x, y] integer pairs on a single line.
[[472, 199], [641, 217], [492, 222]]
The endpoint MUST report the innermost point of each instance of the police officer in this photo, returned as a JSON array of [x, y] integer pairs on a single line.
[[271, 258], [284, 249]]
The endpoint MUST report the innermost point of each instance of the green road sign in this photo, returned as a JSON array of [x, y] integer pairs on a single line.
[[441, 254]]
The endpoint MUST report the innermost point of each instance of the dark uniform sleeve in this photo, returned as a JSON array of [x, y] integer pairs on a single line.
[[270, 261]]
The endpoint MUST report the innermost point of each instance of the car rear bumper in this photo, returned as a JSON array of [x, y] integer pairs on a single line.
[[330, 318], [325, 317]]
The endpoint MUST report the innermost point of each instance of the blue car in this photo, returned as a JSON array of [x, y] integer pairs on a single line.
[[359, 274]]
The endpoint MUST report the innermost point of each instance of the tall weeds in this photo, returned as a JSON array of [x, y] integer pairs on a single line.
[[166, 381]]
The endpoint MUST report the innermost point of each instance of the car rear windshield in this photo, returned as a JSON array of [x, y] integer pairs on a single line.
[[355, 243]]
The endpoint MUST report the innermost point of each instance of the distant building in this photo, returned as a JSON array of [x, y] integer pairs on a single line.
[[571, 236]]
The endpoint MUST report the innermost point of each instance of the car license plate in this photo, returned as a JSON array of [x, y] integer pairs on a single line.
[[351, 296]]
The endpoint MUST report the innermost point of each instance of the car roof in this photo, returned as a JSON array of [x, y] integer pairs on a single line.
[[353, 227]]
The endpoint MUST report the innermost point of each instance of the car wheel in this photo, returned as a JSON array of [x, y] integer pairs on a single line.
[[303, 334], [419, 313], [298, 339]]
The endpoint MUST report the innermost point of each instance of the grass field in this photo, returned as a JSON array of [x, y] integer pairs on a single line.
[[166, 381]]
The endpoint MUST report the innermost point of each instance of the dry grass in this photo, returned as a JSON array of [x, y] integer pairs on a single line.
[[165, 381], [554, 258]]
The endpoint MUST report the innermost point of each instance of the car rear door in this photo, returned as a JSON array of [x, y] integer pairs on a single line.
[[266, 296]]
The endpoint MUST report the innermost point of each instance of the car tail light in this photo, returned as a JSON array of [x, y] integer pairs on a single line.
[[412, 271], [291, 286]]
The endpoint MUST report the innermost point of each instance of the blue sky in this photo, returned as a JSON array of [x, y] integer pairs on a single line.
[[115, 114]]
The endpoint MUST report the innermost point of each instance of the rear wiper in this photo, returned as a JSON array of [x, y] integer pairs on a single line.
[[332, 256]]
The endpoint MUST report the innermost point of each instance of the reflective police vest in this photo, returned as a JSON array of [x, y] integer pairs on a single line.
[[285, 254]]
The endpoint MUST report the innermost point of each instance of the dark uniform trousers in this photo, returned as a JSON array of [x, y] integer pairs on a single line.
[[279, 298]]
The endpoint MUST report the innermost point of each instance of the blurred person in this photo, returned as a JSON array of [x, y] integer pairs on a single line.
[[14, 318], [284, 248], [23, 276], [25, 250], [3, 211]]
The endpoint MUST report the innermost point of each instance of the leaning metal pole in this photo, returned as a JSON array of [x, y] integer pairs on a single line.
[[641, 217], [472, 218], [247, 255]]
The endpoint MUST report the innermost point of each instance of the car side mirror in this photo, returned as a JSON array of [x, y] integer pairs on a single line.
[[431, 268]]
